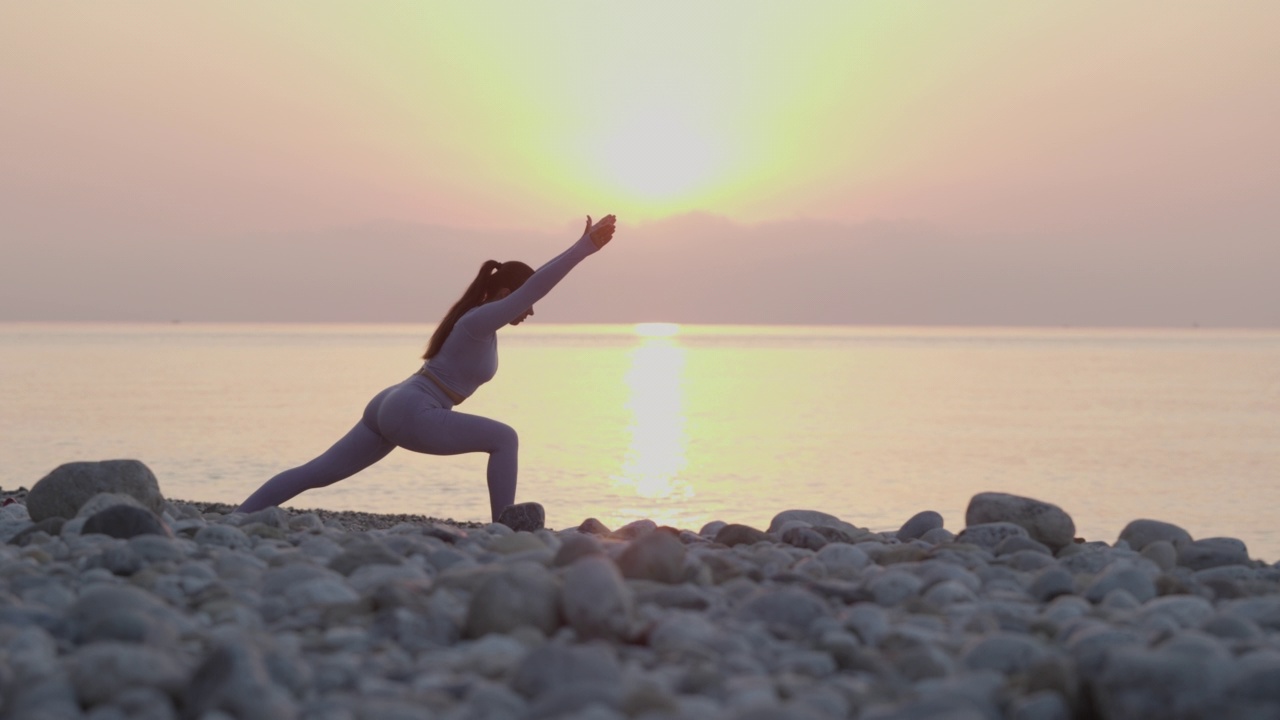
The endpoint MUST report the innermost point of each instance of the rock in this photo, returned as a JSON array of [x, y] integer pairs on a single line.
[[1187, 611], [234, 679], [1231, 627], [595, 601], [815, 518], [710, 529], [1003, 652], [139, 703], [892, 587], [1212, 552], [989, 535], [937, 536], [922, 662], [31, 653], [50, 696], [1017, 544], [102, 501], [517, 544], [657, 556], [1121, 575], [803, 537], [50, 526], [63, 491], [684, 634], [576, 546], [843, 561], [1091, 642], [735, 534], [919, 524], [276, 517], [526, 516], [157, 548], [635, 529], [225, 536], [1141, 533], [593, 526], [321, 592], [1162, 553], [362, 554], [948, 592], [788, 612], [555, 667], [1257, 680], [871, 621], [522, 594], [123, 613], [102, 670], [1051, 582], [125, 521], [1044, 522], [1041, 705], [1138, 683]]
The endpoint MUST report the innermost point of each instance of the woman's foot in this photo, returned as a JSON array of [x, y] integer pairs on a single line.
[[528, 516]]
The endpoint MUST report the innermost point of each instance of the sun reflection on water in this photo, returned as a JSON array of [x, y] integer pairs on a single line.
[[656, 454]]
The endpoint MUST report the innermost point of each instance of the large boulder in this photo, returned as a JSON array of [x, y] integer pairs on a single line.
[[1044, 522], [62, 492]]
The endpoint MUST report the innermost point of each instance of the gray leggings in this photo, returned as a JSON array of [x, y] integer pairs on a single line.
[[414, 415]]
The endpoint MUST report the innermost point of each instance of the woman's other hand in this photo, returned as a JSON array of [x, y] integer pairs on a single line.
[[602, 232]]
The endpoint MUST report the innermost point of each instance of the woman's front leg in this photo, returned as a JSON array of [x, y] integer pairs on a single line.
[[446, 432]]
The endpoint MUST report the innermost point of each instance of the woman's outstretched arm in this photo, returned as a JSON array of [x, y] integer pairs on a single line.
[[493, 315]]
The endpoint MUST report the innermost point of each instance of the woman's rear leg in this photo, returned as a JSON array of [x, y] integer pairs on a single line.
[[357, 450]]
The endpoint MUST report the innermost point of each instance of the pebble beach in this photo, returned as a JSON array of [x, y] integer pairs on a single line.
[[117, 602]]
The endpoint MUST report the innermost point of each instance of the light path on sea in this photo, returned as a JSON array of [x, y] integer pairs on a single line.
[[685, 425]]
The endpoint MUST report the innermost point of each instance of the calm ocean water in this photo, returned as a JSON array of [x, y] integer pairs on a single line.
[[732, 423]]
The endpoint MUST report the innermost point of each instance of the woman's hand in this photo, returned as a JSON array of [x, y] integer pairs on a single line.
[[602, 232]]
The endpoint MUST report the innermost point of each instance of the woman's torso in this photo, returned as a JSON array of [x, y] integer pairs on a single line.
[[465, 361]]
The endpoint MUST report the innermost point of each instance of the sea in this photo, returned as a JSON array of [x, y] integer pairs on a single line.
[[688, 424]]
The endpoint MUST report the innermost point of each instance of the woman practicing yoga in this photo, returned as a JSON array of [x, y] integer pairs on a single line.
[[462, 355]]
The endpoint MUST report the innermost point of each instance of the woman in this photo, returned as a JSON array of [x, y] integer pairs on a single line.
[[462, 355]]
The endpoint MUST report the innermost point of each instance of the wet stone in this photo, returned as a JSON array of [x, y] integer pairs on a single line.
[[1143, 532], [526, 516], [735, 534], [1044, 522], [803, 537], [593, 526], [990, 535], [574, 547], [49, 526], [657, 556], [1212, 553], [635, 529], [125, 521]]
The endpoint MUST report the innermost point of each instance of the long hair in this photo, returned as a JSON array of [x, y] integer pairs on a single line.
[[493, 276]]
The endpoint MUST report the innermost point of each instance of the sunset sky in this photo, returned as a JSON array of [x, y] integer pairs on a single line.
[[1091, 163]]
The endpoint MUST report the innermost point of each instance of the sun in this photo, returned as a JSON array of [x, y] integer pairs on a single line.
[[659, 156]]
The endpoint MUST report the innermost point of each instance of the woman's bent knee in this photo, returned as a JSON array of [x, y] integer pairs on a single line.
[[506, 438]]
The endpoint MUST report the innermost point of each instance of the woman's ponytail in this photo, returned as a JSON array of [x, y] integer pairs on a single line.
[[473, 296]]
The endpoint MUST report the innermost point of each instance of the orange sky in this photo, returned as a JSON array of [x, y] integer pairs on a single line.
[[1116, 136]]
